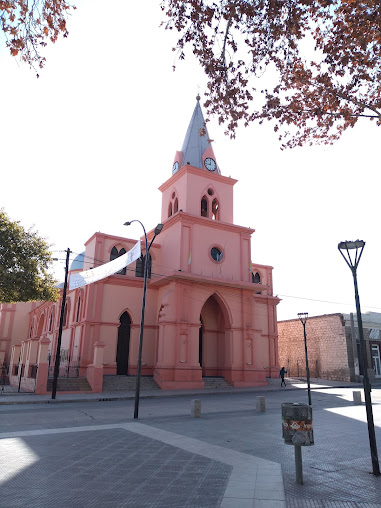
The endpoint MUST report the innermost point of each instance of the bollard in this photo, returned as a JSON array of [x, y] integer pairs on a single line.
[[298, 464], [261, 404], [357, 398], [196, 408]]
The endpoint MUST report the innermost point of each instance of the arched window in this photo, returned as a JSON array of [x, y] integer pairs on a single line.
[[176, 206], [140, 262], [139, 270], [123, 270], [215, 210], [65, 315], [204, 207], [78, 309], [256, 278], [170, 209], [115, 254]]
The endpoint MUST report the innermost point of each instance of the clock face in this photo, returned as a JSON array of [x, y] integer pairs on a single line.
[[175, 168], [210, 164]]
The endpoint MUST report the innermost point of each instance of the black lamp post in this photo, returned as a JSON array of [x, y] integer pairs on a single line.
[[358, 246], [303, 316], [157, 231]]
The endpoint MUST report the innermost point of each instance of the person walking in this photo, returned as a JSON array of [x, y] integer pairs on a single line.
[[282, 372]]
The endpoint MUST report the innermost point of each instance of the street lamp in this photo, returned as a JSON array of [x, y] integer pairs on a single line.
[[303, 316], [157, 231], [358, 246]]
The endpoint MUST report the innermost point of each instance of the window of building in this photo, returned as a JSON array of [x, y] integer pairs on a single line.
[[204, 207], [78, 309], [256, 278], [140, 262], [215, 210], [176, 206], [116, 254], [65, 315], [170, 209]]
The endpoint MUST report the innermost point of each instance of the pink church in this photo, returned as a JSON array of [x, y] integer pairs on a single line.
[[210, 310]]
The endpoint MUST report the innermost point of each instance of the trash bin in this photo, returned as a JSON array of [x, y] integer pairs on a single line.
[[297, 426]]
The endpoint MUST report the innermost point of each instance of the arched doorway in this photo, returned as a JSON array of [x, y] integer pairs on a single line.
[[123, 345], [212, 338]]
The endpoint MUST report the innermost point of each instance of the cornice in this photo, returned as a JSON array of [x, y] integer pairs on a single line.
[[187, 169], [205, 221]]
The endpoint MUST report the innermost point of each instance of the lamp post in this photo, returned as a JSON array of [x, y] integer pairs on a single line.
[[303, 316], [358, 246], [157, 231]]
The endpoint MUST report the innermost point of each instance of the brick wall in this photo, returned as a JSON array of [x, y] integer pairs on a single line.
[[328, 347]]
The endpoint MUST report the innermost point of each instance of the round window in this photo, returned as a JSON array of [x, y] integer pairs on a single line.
[[216, 254], [210, 192]]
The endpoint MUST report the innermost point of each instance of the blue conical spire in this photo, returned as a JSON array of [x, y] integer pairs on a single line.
[[197, 150], [195, 145]]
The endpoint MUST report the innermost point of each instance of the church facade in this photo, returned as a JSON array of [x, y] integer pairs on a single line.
[[210, 310]]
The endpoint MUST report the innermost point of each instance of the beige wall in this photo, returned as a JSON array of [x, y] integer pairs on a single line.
[[326, 344]]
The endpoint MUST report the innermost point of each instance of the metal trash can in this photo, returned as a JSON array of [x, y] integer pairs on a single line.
[[297, 425]]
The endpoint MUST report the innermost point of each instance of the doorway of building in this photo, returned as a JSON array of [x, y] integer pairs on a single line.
[[376, 359], [212, 338], [123, 345]]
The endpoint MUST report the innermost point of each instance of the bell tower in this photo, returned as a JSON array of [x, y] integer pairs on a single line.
[[196, 185]]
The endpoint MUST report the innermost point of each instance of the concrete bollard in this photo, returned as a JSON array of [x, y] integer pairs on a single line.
[[196, 408], [357, 398], [261, 404]]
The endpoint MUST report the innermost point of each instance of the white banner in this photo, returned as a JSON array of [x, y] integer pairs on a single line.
[[78, 280]]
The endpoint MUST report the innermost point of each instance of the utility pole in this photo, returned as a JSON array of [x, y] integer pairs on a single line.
[[58, 349]]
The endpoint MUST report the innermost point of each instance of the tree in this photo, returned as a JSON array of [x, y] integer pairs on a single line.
[[24, 263], [28, 24], [324, 56]]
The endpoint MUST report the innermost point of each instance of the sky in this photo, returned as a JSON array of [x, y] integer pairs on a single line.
[[85, 147]]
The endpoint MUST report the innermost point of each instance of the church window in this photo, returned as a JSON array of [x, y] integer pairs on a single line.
[[176, 206], [216, 253], [140, 262], [139, 270], [170, 209], [215, 210], [65, 315], [204, 207], [256, 278], [115, 254], [123, 270], [210, 192], [78, 309]]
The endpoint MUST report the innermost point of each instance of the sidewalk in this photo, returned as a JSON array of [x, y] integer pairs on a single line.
[[231, 457], [11, 396]]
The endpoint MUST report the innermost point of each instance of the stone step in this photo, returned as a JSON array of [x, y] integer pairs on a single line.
[[216, 382], [128, 383], [70, 384]]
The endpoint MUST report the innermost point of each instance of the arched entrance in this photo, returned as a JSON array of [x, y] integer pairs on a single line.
[[123, 345], [212, 338]]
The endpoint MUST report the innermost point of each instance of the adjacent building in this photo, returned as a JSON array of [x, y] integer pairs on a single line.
[[333, 346]]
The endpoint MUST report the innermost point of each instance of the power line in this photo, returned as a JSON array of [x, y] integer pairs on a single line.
[[155, 274]]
